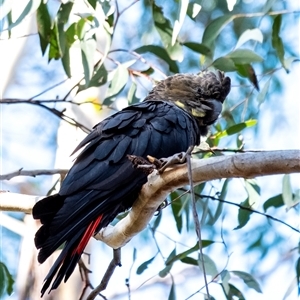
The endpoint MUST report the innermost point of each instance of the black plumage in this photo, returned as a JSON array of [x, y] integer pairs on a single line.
[[103, 182]]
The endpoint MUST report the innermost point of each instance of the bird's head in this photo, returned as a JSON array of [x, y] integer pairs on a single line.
[[201, 95]]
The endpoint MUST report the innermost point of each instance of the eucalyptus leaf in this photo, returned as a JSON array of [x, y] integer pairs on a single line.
[[213, 29], [144, 265], [244, 56], [250, 34], [161, 53], [248, 279]]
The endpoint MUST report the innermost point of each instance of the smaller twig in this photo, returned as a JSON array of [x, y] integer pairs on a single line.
[[235, 150], [244, 208], [33, 173], [195, 214], [84, 273], [116, 261], [49, 88]]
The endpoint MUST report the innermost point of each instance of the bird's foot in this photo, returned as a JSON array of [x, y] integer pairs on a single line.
[[142, 163], [163, 163]]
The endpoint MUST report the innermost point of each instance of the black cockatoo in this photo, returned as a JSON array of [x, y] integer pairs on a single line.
[[103, 182]]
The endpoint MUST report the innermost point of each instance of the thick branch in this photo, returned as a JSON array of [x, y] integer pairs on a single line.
[[157, 188], [245, 165]]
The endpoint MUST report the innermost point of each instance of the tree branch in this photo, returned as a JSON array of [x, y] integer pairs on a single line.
[[153, 193]]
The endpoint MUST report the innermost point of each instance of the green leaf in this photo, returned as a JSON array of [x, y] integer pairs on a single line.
[[43, 25], [298, 274], [248, 279], [225, 276], [54, 50], [164, 272], [276, 201], [179, 22], [199, 48], [189, 261], [219, 209], [176, 209], [193, 10], [236, 128], [250, 34], [118, 82], [244, 56], [253, 191], [182, 255], [99, 78], [233, 291], [6, 281], [161, 53], [157, 221], [288, 62], [134, 255], [262, 95], [165, 30], [88, 49], [172, 295], [277, 41], [224, 64], [247, 71], [31, 7], [131, 96], [243, 214], [144, 265], [93, 3], [209, 265], [287, 194], [213, 29]]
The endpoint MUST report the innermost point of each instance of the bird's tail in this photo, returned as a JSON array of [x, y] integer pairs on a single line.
[[70, 255]]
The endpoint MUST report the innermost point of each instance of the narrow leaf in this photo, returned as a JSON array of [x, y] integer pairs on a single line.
[[199, 48], [119, 80], [246, 70], [31, 7], [179, 22], [243, 214], [131, 96], [166, 270], [43, 25], [144, 265], [213, 29], [276, 201], [253, 191], [277, 41], [209, 265], [289, 199], [176, 210], [165, 30], [250, 34], [262, 95], [182, 255], [236, 128], [88, 49], [244, 56], [287, 193], [224, 64], [172, 295], [6, 281], [248, 279], [189, 261], [233, 291], [225, 276], [161, 53]]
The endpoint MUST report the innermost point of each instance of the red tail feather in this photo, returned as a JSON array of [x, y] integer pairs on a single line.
[[87, 235]]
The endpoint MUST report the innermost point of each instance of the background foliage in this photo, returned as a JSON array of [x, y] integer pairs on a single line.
[[123, 48]]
